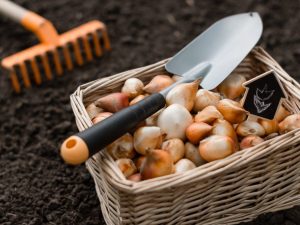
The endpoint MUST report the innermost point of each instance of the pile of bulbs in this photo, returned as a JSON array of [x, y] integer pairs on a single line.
[[196, 126]]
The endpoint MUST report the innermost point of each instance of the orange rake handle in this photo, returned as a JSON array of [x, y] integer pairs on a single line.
[[40, 26]]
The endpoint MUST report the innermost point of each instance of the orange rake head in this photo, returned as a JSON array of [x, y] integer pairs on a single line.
[[56, 53]]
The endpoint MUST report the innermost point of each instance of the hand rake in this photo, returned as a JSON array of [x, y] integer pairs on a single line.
[[56, 53]]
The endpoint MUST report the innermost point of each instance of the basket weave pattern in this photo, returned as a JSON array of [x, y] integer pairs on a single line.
[[261, 179]]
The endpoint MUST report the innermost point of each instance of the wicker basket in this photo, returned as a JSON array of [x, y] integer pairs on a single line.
[[261, 179]]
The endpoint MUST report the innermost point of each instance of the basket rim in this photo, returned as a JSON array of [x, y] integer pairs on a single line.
[[205, 171]]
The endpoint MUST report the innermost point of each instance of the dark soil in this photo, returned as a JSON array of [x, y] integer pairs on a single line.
[[36, 186]]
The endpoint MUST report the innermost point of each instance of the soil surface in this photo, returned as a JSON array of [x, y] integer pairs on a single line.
[[36, 186]]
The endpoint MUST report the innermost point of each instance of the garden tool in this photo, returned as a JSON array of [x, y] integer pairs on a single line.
[[213, 55], [56, 53]]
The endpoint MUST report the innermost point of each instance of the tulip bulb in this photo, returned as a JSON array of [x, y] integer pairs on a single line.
[[146, 138], [208, 115], [136, 99], [135, 177], [270, 126], [92, 110], [184, 165], [122, 147], [290, 123], [139, 162], [113, 102], [157, 163], [223, 127], [197, 131], [176, 78], [158, 83], [126, 166], [133, 87], [175, 147], [101, 116], [183, 94], [174, 120], [216, 147], [192, 153], [205, 98], [250, 128], [152, 120], [250, 141], [281, 113], [232, 87], [232, 111]]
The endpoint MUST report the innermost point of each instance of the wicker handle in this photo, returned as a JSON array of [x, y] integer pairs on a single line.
[[77, 148]]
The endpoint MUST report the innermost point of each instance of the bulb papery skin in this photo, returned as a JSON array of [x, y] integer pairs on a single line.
[[183, 94], [136, 99], [139, 162], [175, 147], [92, 110], [281, 113], [122, 147], [184, 165], [146, 138], [232, 111], [223, 127], [174, 120], [192, 153], [133, 87], [152, 120], [208, 115], [232, 87], [176, 78], [101, 116], [205, 98], [113, 102], [270, 126], [250, 128], [216, 147], [137, 177], [158, 83], [126, 166], [290, 123], [250, 141], [157, 163], [197, 131]]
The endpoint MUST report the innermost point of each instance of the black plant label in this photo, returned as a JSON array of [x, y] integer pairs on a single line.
[[263, 95]]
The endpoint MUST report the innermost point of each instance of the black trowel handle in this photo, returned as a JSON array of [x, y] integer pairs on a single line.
[[78, 148]]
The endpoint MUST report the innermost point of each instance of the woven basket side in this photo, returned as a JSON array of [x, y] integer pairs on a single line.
[[109, 197]]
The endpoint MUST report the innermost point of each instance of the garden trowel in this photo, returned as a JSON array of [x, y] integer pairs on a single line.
[[211, 57]]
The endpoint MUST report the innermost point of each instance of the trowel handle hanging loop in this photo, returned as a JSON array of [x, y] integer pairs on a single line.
[[42, 27]]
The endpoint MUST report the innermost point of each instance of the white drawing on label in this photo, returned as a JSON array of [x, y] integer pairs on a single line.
[[260, 97]]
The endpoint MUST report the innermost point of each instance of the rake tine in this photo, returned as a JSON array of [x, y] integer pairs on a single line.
[[77, 52], [67, 56], [106, 40], [46, 66], [15, 81], [36, 72], [97, 46], [24, 74], [87, 48], [57, 62]]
